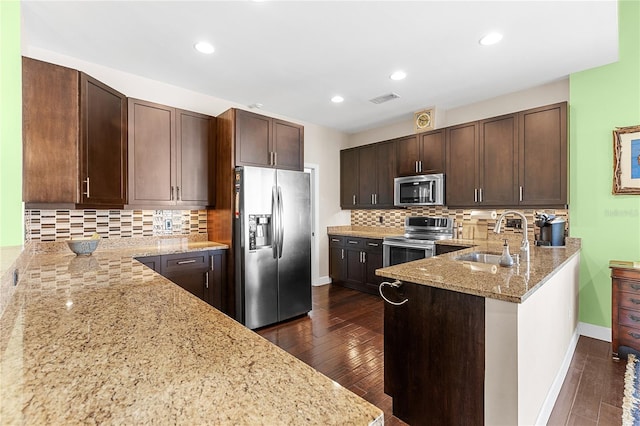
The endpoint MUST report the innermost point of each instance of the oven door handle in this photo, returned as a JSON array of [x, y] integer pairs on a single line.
[[409, 245]]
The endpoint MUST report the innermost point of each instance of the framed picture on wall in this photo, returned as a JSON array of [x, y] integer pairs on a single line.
[[626, 160]]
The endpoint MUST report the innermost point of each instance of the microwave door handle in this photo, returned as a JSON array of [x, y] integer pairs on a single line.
[[432, 197]]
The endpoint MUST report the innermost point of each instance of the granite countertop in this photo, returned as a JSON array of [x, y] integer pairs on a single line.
[[364, 231], [104, 339], [514, 284]]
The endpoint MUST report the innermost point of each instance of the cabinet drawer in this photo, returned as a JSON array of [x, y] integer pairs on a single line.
[[630, 336], [336, 241], [626, 273], [629, 318], [373, 245], [185, 261], [351, 242], [629, 300], [630, 286]]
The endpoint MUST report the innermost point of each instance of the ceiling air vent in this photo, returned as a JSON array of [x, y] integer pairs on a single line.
[[384, 98]]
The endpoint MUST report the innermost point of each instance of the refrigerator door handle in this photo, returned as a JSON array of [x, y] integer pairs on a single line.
[[280, 224], [274, 222]]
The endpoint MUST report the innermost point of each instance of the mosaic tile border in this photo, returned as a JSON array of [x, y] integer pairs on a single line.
[[395, 219], [60, 225]]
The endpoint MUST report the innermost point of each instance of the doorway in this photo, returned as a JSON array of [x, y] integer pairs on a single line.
[[314, 170]]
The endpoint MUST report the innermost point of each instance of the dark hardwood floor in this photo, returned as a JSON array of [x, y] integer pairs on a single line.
[[342, 337]]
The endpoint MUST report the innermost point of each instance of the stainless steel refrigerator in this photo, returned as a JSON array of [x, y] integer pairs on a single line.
[[272, 230]]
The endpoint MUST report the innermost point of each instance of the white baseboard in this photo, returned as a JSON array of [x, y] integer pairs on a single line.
[[554, 391], [322, 281], [594, 331]]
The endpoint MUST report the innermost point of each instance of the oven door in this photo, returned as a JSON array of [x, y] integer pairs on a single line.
[[394, 253]]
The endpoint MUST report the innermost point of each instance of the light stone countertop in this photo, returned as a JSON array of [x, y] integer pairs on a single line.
[[513, 284], [103, 339], [364, 231]]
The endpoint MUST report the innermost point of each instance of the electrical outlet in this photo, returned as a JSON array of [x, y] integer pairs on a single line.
[[168, 224], [514, 223]]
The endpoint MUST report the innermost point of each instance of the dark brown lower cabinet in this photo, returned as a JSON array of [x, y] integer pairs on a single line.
[[152, 262], [434, 355], [201, 273], [353, 262]]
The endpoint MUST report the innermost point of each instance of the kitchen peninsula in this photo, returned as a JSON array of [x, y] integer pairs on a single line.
[[475, 341], [104, 339]]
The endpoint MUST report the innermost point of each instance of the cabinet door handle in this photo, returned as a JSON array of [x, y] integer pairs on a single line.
[[395, 284], [480, 192], [520, 193], [206, 280], [475, 195], [634, 318], [635, 286], [177, 193], [342, 253], [364, 257], [211, 262], [352, 242], [335, 240], [186, 262], [354, 199], [372, 202], [420, 165], [171, 196], [87, 193], [376, 198], [275, 158], [634, 335], [635, 301], [372, 244], [416, 166]]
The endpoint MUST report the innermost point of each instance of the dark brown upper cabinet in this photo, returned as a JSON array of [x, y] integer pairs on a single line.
[[349, 160], [461, 179], [376, 171], [268, 142], [170, 154], [542, 153], [366, 176], [74, 139], [513, 160], [421, 154], [497, 161]]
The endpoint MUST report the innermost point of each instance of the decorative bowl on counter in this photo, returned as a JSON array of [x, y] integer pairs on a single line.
[[84, 246]]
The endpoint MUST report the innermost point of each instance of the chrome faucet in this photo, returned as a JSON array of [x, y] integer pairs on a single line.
[[524, 246]]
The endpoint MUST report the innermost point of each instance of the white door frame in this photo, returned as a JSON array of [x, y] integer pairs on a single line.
[[314, 172]]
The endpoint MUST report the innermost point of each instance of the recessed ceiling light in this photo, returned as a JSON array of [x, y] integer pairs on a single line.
[[337, 99], [398, 75], [204, 47], [491, 38]]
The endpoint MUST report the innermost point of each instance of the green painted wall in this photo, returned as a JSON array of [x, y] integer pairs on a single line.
[[600, 100], [10, 124]]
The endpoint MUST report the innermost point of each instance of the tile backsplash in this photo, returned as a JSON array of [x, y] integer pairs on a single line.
[[472, 228], [58, 225]]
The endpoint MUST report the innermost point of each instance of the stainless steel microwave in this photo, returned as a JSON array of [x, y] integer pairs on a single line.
[[423, 190]]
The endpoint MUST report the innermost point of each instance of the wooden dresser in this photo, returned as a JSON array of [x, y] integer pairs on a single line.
[[625, 308]]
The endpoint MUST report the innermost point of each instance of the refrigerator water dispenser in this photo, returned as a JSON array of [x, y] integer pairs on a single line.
[[259, 231]]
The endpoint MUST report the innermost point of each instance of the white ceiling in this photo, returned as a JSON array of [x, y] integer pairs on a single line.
[[292, 57]]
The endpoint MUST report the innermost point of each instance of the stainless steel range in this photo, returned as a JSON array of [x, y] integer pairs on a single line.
[[418, 241]]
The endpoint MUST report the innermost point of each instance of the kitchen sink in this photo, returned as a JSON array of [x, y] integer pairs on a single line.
[[480, 257]]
